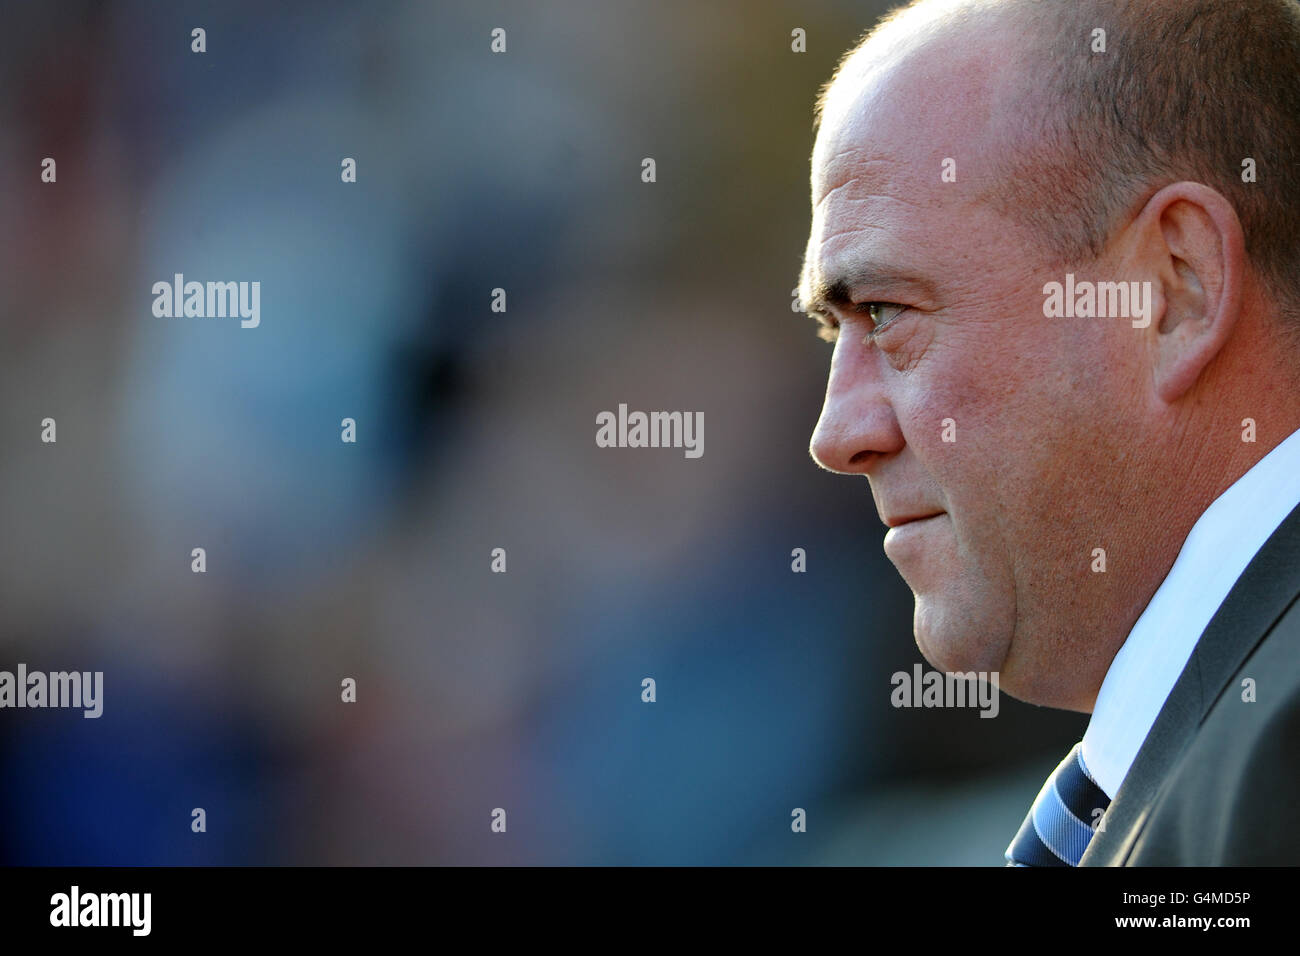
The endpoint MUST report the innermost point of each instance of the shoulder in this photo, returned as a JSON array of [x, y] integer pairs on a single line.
[[1245, 757], [1261, 817], [1232, 796]]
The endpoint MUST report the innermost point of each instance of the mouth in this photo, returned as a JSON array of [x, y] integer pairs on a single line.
[[905, 541], [900, 520]]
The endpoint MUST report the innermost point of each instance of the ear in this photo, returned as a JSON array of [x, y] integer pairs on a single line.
[[1191, 240]]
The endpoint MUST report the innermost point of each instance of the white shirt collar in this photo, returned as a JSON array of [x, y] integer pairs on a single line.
[[1218, 548]]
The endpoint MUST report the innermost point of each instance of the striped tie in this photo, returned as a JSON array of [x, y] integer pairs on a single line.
[[1058, 827]]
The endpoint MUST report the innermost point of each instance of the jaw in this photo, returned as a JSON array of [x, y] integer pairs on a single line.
[[954, 637]]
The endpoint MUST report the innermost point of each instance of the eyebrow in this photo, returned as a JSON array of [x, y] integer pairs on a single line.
[[837, 290]]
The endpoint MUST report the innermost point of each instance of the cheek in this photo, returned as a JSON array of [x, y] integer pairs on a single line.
[[974, 435], [963, 421]]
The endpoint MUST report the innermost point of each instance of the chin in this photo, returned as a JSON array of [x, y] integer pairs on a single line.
[[953, 641]]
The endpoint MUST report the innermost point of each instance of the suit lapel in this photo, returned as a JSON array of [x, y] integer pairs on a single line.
[[1263, 592]]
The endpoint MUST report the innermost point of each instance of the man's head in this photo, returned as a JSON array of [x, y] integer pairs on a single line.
[[971, 152]]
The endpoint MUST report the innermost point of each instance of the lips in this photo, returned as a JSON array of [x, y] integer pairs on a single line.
[[897, 521]]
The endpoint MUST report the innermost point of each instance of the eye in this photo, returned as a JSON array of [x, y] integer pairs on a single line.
[[881, 314]]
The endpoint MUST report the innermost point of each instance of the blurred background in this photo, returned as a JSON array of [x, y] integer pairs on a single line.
[[475, 430]]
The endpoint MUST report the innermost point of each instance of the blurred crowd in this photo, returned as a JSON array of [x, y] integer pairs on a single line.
[[475, 430]]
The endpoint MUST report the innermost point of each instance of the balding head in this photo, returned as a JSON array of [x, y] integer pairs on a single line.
[[969, 157], [1200, 90]]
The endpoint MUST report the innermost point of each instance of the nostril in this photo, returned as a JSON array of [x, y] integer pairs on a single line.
[[861, 458]]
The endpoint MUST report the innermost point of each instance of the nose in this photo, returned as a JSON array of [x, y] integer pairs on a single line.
[[857, 426]]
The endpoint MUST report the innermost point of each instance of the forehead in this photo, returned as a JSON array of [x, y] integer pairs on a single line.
[[891, 122]]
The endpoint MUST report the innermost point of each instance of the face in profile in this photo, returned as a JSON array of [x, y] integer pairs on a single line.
[[980, 425]]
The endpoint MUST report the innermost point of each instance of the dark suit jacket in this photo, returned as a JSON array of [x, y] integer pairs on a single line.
[[1217, 781]]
